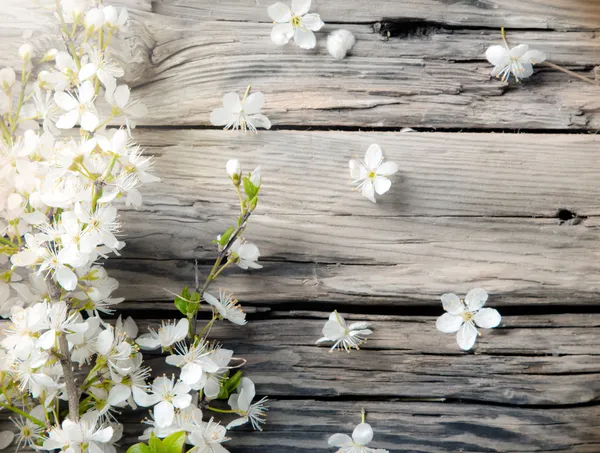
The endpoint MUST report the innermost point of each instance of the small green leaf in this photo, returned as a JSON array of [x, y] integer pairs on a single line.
[[234, 381], [139, 448], [253, 203], [181, 305], [155, 444], [174, 442], [250, 189], [224, 238]]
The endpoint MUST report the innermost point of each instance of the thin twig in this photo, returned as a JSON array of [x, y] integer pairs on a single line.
[[571, 73]]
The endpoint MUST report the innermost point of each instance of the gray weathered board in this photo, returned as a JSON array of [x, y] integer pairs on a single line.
[[507, 198]]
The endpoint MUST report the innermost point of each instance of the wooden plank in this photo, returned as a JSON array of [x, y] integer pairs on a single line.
[[441, 174], [426, 80], [408, 358], [303, 426]]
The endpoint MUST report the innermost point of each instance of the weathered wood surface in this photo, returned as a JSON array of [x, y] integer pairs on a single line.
[[426, 75], [465, 210]]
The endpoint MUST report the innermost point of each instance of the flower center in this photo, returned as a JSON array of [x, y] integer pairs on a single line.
[[295, 21], [467, 316], [372, 175]]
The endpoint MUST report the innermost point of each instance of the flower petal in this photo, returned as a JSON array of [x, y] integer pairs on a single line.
[[362, 434], [254, 103], [282, 33], [382, 184], [220, 116], [373, 156], [487, 318], [163, 414], [466, 336], [231, 101], [452, 304], [340, 440], [448, 323], [279, 12], [147, 341], [6, 438], [182, 401], [312, 21], [497, 55], [68, 120], [87, 71], [519, 51], [65, 101], [261, 121], [66, 277], [476, 298], [89, 121], [387, 168], [300, 7], [86, 92], [368, 191], [534, 57], [305, 39]]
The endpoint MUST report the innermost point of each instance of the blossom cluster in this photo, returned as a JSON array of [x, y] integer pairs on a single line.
[[64, 175]]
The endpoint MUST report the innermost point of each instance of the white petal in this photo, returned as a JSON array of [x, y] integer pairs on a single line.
[[340, 440], [466, 336], [65, 101], [66, 277], [282, 33], [6, 438], [476, 298], [181, 329], [231, 101], [448, 323], [526, 72], [312, 22], [452, 304], [246, 394], [87, 71], [362, 434], [300, 7], [354, 169], [497, 55], [182, 401], [68, 120], [279, 12], [373, 156], [305, 39], [191, 373], [220, 116], [368, 191], [387, 168], [333, 330], [118, 394], [534, 57], [382, 184], [147, 341], [487, 318], [519, 50], [142, 398], [46, 340], [261, 121], [86, 92], [89, 121], [163, 414], [237, 422], [248, 252], [103, 435], [254, 103], [121, 95]]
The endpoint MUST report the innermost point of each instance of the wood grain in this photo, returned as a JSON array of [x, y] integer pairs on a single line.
[[435, 77]]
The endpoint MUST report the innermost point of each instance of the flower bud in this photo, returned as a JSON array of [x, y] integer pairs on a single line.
[[25, 52], [234, 170], [50, 55], [7, 78], [94, 19]]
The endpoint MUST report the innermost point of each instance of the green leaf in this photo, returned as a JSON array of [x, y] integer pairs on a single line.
[[181, 305], [234, 381], [139, 448], [250, 189], [253, 203], [174, 442], [155, 444], [224, 238]]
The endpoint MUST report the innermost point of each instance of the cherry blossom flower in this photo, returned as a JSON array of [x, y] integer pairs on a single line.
[[166, 396], [371, 174], [241, 403], [29, 433], [344, 336], [210, 382], [244, 254], [361, 436], [79, 109], [101, 66], [208, 438], [517, 61], [463, 315], [227, 307], [166, 336], [244, 115], [295, 22], [83, 435], [194, 361], [59, 320]]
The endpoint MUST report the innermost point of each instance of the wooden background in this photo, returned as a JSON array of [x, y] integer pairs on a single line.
[[498, 188]]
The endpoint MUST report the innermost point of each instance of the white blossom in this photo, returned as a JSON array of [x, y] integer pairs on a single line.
[[194, 361], [241, 403], [295, 22], [167, 335], [79, 109], [227, 307], [464, 315], [342, 335], [165, 395], [371, 175], [244, 115], [517, 61], [361, 436], [208, 438], [244, 254]]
